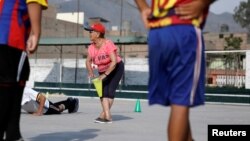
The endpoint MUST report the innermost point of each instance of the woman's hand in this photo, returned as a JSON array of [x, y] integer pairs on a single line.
[[102, 76], [91, 75]]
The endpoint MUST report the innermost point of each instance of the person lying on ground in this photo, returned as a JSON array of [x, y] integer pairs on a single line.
[[37, 104]]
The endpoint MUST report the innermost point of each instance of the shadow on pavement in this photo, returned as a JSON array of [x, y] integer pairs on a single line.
[[120, 117], [67, 136]]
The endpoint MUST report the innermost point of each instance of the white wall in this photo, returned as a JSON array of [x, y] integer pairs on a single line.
[[56, 70], [71, 17]]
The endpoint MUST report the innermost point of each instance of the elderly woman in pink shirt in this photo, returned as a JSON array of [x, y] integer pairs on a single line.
[[103, 53]]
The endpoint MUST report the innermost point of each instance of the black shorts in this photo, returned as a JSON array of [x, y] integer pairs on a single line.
[[14, 65], [111, 82]]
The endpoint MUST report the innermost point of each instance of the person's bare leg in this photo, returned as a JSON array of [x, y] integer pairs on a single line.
[[111, 101], [102, 114], [190, 138], [178, 126], [106, 108]]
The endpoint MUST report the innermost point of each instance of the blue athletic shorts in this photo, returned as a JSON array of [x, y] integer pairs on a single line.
[[176, 66]]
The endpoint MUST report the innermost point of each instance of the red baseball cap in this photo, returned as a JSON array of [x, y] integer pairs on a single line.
[[98, 27]]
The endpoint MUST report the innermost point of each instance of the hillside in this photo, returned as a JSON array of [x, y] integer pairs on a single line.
[[215, 21], [111, 10]]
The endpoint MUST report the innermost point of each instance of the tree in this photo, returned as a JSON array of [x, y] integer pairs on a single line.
[[233, 60], [242, 16], [233, 43]]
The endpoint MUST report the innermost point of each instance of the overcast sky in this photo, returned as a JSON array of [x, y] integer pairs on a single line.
[[218, 7], [221, 6]]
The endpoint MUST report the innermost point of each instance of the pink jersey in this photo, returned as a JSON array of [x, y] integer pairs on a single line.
[[100, 57]]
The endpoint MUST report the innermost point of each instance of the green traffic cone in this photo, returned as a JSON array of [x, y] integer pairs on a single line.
[[138, 106]]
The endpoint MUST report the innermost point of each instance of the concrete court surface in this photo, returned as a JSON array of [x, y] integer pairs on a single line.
[[149, 125]]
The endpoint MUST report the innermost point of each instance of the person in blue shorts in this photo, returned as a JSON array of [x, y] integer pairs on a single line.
[[176, 58]]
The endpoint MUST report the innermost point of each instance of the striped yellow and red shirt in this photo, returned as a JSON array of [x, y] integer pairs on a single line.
[[163, 14]]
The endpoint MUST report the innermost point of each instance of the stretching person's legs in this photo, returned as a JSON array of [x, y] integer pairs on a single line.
[[70, 104]]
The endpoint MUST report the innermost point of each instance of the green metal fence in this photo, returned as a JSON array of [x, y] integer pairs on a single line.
[[215, 95]]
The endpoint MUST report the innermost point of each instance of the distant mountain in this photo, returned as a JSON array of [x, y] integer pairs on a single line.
[[111, 11], [215, 21]]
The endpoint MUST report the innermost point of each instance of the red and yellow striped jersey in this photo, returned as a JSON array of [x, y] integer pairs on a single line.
[[163, 14]]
